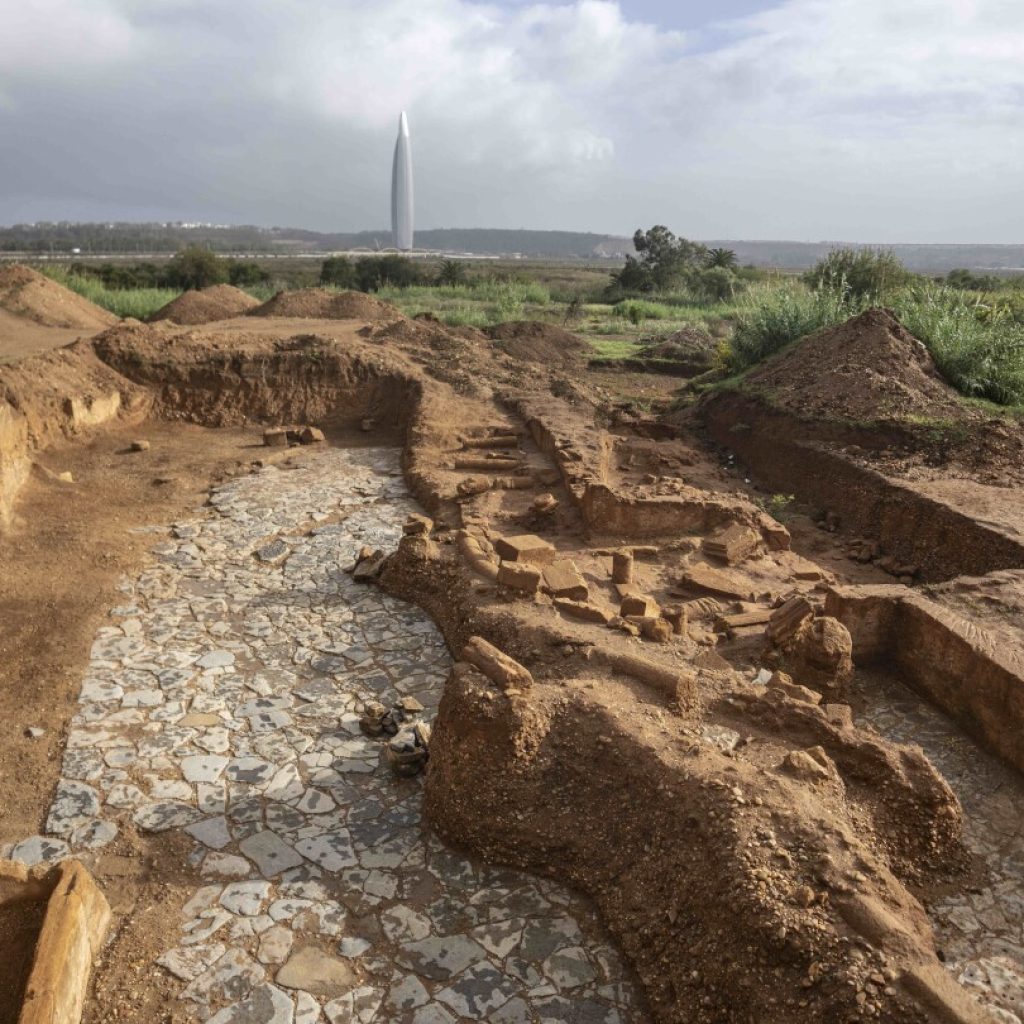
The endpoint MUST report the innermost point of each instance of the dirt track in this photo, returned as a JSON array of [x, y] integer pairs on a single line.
[[751, 849]]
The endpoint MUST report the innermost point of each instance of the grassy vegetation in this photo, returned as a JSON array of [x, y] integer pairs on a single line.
[[978, 350], [977, 347], [134, 302], [476, 304], [975, 335]]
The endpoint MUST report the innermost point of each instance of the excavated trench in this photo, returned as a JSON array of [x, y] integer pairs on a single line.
[[222, 701], [792, 457], [979, 927]]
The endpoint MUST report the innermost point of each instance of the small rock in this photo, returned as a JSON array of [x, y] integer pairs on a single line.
[[33, 732], [311, 435], [312, 970], [139, 446]]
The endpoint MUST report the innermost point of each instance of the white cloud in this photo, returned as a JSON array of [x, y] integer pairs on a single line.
[[815, 118]]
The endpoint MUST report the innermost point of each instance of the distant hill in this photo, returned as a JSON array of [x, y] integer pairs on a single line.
[[140, 239], [922, 259], [143, 239]]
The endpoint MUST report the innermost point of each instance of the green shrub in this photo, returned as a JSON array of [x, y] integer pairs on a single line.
[[196, 267], [638, 310], [338, 271], [859, 272]]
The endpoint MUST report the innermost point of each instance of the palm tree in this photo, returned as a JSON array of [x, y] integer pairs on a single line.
[[721, 258], [451, 273]]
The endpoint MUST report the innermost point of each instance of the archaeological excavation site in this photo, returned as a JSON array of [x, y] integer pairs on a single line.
[[359, 669]]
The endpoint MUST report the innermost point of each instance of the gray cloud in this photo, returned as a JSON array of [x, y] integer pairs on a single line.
[[857, 119]]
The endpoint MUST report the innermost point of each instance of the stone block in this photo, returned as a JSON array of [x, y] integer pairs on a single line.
[[839, 715], [639, 605], [740, 620], [519, 577], [583, 610], [525, 548], [733, 544], [705, 579], [76, 921], [675, 615], [276, 438], [311, 435], [417, 525], [656, 629], [503, 671], [787, 619], [563, 579], [622, 567]]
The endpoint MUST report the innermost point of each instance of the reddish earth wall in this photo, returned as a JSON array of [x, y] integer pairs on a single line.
[[914, 528], [955, 664]]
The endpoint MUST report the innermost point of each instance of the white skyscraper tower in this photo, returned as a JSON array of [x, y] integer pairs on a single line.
[[401, 188]]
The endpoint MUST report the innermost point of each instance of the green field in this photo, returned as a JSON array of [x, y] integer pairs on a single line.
[[976, 337]]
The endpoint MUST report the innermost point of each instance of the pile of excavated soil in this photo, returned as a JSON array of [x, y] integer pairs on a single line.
[[28, 294], [218, 302], [538, 342], [686, 343], [866, 370], [321, 304]]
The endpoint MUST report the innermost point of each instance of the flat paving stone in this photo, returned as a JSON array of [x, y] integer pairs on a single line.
[[271, 854], [264, 1005]]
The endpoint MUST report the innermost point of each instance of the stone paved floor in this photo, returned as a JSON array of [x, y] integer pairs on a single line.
[[980, 932], [223, 699]]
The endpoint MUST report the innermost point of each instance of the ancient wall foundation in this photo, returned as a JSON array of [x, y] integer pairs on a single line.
[[954, 663], [912, 527]]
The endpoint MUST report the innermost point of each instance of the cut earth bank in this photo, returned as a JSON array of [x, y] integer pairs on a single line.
[[672, 737]]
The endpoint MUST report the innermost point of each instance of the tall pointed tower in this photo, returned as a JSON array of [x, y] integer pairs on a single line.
[[401, 188]]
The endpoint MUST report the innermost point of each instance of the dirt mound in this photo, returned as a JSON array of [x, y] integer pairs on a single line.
[[867, 369], [27, 293], [538, 342], [218, 302], [683, 344], [321, 304]]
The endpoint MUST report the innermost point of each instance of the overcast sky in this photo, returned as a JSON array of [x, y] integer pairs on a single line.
[[861, 120]]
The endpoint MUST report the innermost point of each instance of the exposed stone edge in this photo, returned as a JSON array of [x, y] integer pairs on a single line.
[[957, 665]]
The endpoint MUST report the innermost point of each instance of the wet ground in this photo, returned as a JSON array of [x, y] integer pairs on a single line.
[[980, 932], [223, 700]]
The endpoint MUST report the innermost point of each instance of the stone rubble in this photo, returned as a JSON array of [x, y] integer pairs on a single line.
[[227, 701]]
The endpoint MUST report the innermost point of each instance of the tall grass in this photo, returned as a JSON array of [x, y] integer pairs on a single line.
[[134, 302], [770, 317], [978, 349]]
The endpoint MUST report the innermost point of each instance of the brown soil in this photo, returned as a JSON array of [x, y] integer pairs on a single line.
[[218, 302], [28, 294], [19, 929], [867, 369], [61, 561], [322, 304], [20, 337], [536, 342]]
